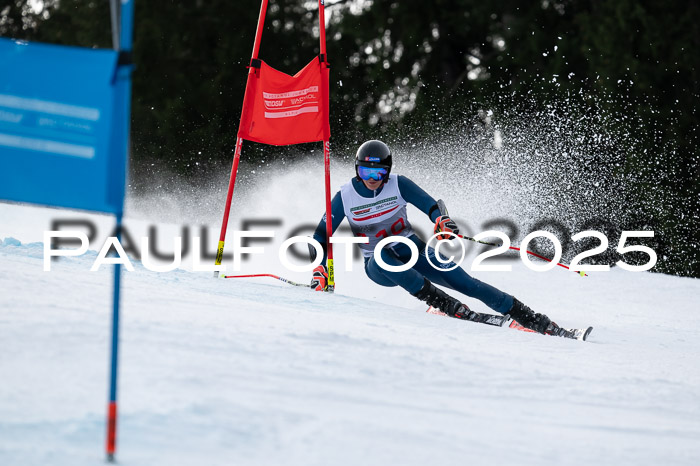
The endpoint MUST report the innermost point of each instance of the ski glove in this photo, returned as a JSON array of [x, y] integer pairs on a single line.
[[444, 224], [319, 281]]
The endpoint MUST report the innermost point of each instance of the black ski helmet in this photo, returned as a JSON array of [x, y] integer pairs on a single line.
[[373, 153]]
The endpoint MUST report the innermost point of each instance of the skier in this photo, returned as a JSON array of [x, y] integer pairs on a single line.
[[375, 204]]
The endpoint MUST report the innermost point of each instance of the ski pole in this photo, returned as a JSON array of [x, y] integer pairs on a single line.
[[443, 211], [582, 273], [481, 242], [268, 275]]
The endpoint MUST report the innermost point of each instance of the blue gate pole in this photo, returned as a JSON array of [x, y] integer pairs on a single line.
[[123, 114], [112, 408]]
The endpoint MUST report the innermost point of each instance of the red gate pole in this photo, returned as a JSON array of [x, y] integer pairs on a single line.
[[227, 209], [326, 149], [322, 28], [329, 217], [258, 33], [239, 142]]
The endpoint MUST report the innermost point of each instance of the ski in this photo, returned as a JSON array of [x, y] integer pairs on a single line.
[[472, 316], [576, 333], [501, 320], [572, 333]]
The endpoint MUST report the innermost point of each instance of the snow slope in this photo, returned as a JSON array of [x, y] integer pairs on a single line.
[[255, 372]]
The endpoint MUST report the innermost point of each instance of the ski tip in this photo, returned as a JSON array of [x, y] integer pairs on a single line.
[[586, 333]]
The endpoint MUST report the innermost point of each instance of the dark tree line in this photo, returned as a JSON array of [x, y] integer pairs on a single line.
[[404, 68]]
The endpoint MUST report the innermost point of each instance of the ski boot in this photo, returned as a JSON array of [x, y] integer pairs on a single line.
[[445, 303], [540, 323]]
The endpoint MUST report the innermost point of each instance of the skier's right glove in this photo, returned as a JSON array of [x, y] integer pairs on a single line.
[[444, 224], [319, 281]]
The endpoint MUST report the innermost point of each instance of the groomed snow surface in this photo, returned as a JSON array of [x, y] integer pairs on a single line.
[[255, 372]]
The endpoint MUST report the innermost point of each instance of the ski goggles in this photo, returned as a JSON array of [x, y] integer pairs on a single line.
[[372, 173]]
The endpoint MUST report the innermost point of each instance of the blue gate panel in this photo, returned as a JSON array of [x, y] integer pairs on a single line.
[[61, 138]]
